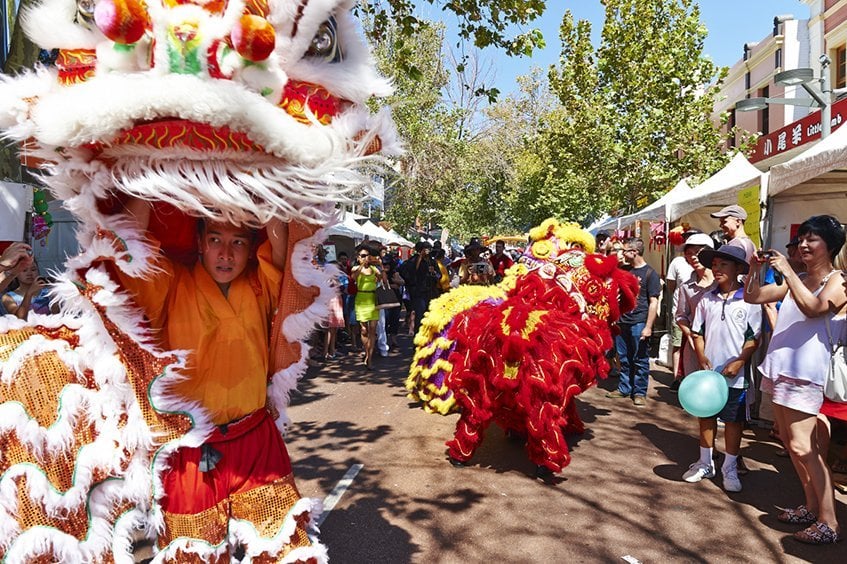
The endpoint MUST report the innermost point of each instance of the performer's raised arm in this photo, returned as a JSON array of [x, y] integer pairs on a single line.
[[139, 211], [278, 236]]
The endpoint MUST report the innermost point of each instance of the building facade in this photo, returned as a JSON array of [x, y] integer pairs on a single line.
[[785, 130]]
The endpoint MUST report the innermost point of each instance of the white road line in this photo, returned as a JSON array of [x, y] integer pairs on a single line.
[[332, 499]]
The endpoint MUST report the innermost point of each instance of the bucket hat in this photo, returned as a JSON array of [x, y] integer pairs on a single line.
[[735, 254]]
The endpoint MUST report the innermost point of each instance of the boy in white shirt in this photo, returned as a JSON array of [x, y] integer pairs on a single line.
[[726, 330]]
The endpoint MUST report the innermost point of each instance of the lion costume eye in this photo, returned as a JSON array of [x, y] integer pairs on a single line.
[[85, 12], [325, 43]]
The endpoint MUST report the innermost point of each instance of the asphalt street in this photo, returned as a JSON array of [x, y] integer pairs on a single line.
[[379, 460]]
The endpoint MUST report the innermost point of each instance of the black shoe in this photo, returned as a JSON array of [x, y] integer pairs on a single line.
[[456, 463], [544, 474], [675, 386]]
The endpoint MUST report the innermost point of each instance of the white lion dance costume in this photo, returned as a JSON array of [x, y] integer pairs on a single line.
[[238, 112]]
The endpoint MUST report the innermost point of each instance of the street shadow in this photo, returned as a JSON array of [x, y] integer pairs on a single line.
[[362, 529]]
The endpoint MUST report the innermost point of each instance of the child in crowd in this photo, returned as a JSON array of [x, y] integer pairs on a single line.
[[726, 329]]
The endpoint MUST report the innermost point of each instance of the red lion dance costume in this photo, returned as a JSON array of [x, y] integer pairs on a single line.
[[241, 112], [518, 353]]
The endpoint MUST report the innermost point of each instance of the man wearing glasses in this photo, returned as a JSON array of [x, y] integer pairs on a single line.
[[633, 341]]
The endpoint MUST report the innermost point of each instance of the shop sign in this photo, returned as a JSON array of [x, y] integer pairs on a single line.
[[798, 133]]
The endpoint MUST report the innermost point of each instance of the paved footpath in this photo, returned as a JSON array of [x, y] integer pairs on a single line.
[[380, 462]]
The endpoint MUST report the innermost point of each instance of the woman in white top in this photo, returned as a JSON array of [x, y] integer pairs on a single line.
[[796, 364]]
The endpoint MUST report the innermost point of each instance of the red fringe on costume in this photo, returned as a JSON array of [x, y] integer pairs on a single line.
[[521, 362]]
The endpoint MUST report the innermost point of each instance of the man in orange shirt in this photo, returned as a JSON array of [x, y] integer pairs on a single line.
[[220, 310]]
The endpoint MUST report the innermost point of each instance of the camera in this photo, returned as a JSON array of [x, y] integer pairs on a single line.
[[765, 255]]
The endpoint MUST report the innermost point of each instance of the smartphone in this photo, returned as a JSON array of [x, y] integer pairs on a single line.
[[764, 255]]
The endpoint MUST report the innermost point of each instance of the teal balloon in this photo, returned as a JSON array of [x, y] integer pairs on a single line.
[[703, 393]]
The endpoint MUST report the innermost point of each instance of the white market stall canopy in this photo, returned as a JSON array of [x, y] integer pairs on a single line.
[[399, 240], [812, 183], [721, 189], [15, 202], [829, 156], [657, 211], [348, 227], [376, 233]]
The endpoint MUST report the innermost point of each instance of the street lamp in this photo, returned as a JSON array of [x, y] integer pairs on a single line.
[[804, 77]]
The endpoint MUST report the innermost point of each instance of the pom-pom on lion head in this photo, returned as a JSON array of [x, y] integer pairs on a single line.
[[552, 239]]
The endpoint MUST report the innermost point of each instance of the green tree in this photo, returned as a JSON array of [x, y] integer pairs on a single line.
[[635, 113], [22, 55], [424, 174], [486, 23]]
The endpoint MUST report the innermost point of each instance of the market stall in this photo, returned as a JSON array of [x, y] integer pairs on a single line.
[[719, 190], [812, 183], [15, 204]]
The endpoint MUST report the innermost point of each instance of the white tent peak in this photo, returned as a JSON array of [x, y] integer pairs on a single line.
[[720, 189], [827, 155], [657, 211]]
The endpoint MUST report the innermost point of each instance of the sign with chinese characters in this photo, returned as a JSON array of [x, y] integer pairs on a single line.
[[798, 133], [749, 200]]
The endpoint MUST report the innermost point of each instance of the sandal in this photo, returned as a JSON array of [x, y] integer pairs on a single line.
[[798, 516], [819, 533]]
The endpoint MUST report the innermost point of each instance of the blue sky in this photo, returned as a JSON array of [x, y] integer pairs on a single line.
[[731, 23]]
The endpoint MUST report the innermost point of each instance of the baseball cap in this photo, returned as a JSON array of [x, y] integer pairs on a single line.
[[731, 211], [700, 239]]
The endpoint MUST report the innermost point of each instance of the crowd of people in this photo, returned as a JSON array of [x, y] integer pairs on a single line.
[[370, 328], [765, 320]]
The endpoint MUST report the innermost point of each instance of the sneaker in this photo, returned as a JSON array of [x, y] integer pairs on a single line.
[[697, 472], [616, 395], [731, 483], [639, 401]]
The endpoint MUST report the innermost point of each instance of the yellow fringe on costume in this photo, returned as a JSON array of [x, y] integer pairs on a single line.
[[425, 381]]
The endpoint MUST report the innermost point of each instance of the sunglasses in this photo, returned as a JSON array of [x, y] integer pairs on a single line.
[[364, 256]]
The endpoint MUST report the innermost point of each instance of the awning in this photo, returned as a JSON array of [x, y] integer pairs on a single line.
[[657, 211], [376, 233], [399, 240], [15, 202], [720, 189], [347, 228], [827, 155]]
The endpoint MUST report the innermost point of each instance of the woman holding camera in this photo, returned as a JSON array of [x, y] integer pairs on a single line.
[[31, 293], [368, 274], [796, 364], [475, 270]]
